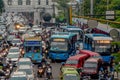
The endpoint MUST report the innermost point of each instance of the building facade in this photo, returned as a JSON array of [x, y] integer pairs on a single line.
[[32, 9]]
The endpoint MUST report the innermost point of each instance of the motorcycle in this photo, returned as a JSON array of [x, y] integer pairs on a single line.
[[41, 71], [49, 73]]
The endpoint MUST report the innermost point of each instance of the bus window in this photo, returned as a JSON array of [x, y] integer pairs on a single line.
[[36, 49], [28, 49]]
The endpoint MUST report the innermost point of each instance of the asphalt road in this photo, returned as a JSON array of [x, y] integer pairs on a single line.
[[55, 71]]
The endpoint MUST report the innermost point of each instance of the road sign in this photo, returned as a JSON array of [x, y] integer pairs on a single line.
[[110, 15]]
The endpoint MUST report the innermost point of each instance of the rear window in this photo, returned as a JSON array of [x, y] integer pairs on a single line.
[[90, 65], [72, 62]]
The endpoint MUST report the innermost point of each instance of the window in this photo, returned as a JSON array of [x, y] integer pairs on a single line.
[[20, 2], [47, 2], [28, 2], [39, 1], [9, 2]]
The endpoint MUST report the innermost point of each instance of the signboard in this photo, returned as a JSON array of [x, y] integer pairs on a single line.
[[59, 39], [110, 15], [32, 43]]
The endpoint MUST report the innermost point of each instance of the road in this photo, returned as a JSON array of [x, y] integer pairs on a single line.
[[55, 71]]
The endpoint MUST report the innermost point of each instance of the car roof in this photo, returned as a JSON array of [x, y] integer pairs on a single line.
[[78, 56], [24, 59], [16, 39], [14, 48], [24, 67], [18, 73]]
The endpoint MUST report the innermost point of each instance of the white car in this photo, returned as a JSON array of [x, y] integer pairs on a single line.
[[14, 54], [24, 61], [28, 69], [19, 76], [16, 41], [22, 29]]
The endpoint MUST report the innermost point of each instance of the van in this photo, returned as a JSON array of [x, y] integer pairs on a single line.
[[91, 67], [69, 73], [76, 61]]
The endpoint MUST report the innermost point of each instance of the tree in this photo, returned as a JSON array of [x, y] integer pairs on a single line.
[[1, 6], [62, 5], [100, 7]]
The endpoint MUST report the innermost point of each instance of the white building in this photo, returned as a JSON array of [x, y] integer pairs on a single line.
[[33, 9]]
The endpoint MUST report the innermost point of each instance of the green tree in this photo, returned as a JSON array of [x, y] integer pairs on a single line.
[[1, 6], [100, 7], [63, 6]]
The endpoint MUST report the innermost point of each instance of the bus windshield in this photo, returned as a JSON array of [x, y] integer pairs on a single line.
[[59, 46], [35, 49], [70, 77], [90, 65], [102, 47], [71, 61]]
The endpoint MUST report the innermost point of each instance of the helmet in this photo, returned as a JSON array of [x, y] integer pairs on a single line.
[[62, 63], [48, 63]]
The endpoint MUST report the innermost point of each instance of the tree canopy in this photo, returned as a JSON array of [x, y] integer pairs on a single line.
[[101, 6], [1, 6]]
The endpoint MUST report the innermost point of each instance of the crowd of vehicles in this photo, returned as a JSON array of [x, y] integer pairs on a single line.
[[28, 46]]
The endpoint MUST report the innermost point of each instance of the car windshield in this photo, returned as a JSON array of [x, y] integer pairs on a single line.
[[90, 65], [24, 63], [71, 61], [70, 77], [18, 78], [13, 56], [14, 50], [16, 41], [28, 71], [59, 46]]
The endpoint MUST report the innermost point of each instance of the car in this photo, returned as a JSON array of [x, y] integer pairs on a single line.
[[28, 69], [14, 50], [13, 54], [19, 76], [24, 61], [10, 38], [17, 42], [31, 34], [22, 29]]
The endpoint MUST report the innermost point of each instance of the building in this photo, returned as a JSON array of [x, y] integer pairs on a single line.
[[32, 9]]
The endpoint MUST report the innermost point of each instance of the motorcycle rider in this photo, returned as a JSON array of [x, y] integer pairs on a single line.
[[49, 70]]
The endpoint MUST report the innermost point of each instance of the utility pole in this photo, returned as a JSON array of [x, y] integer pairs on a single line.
[[91, 7]]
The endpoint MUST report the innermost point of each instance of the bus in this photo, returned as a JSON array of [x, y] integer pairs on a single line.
[[99, 43], [76, 30], [91, 67], [62, 45], [33, 49]]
